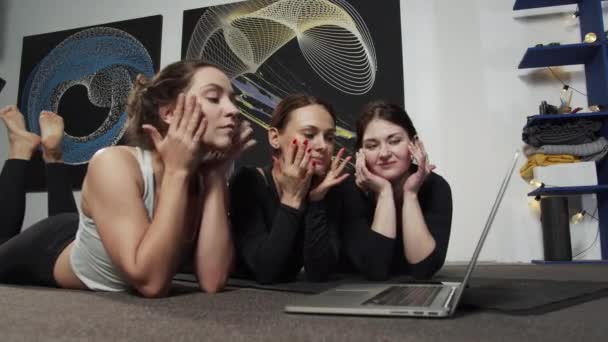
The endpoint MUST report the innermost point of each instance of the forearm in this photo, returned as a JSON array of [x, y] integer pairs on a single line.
[[157, 255], [270, 252], [385, 221], [320, 243], [418, 243], [214, 252], [372, 249]]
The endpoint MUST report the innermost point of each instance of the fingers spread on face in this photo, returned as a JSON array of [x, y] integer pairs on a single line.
[[202, 127], [424, 153], [178, 112], [290, 155], [187, 113], [194, 121], [336, 162], [300, 152], [245, 131], [342, 165], [305, 163]]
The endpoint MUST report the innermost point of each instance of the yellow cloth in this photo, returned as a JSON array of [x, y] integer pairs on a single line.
[[541, 159]]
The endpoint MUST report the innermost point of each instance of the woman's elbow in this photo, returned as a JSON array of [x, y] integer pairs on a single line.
[[375, 269], [377, 275], [425, 271], [266, 278], [317, 276], [154, 290], [213, 285]]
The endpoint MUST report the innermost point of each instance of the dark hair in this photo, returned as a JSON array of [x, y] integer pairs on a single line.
[[147, 95], [280, 115], [385, 111]]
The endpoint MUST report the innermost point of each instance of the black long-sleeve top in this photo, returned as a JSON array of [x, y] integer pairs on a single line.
[[274, 241], [376, 256]]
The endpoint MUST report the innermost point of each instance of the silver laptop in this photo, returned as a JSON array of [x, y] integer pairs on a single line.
[[428, 300]]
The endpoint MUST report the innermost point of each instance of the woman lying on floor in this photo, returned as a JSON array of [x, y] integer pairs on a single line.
[[397, 214], [285, 216], [144, 210]]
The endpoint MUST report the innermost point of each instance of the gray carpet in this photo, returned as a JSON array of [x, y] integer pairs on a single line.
[[31, 314]]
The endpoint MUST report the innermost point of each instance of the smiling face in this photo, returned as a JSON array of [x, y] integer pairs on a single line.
[[215, 95], [312, 123], [385, 146]]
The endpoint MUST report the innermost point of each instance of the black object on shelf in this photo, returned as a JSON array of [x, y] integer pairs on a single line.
[[556, 228], [546, 108], [2, 84], [537, 119]]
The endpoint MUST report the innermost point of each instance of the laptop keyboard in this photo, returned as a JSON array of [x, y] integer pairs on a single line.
[[406, 296]]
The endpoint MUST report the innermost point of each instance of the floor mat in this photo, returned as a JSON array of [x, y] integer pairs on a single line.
[[510, 296]]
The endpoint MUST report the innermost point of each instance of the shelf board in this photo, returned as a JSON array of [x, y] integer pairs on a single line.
[[567, 54], [549, 262], [527, 4], [569, 190], [553, 117]]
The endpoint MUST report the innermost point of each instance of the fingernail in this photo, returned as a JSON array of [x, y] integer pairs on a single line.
[[308, 151], [305, 142], [295, 141]]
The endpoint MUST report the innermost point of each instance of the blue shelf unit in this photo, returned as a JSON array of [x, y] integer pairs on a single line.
[[594, 57], [528, 4], [569, 190]]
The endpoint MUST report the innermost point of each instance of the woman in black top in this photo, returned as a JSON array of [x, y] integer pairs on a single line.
[[397, 214], [285, 216]]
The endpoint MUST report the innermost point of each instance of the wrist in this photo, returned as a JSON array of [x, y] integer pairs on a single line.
[[214, 182], [386, 191], [291, 201], [410, 195], [176, 173], [317, 196]]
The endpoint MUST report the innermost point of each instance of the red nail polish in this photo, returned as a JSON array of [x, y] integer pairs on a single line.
[[295, 141], [305, 142], [310, 149]]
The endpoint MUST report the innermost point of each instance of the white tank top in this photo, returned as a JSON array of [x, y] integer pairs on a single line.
[[89, 259]]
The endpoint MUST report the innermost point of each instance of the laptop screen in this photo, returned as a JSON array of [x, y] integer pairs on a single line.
[[486, 230]]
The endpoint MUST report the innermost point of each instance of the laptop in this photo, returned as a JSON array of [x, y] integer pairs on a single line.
[[413, 299]]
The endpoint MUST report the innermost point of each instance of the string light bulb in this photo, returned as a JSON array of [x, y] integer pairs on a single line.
[[578, 217], [536, 183], [572, 19]]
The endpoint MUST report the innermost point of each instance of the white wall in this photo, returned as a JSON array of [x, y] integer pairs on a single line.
[[462, 88]]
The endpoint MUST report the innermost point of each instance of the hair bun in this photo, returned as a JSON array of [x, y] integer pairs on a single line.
[[141, 83]]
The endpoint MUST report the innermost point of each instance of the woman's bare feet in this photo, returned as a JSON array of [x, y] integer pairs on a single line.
[[51, 132], [21, 142]]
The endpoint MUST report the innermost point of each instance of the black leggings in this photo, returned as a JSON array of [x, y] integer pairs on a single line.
[[28, 258]]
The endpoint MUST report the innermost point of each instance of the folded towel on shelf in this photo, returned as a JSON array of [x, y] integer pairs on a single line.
[[540, 159], [563, 133], [592, 151]]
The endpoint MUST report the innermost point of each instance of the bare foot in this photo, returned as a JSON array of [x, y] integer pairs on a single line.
[[21, 142], [51, 132]]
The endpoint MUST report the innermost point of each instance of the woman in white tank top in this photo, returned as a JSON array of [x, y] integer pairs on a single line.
[[147, 208]]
